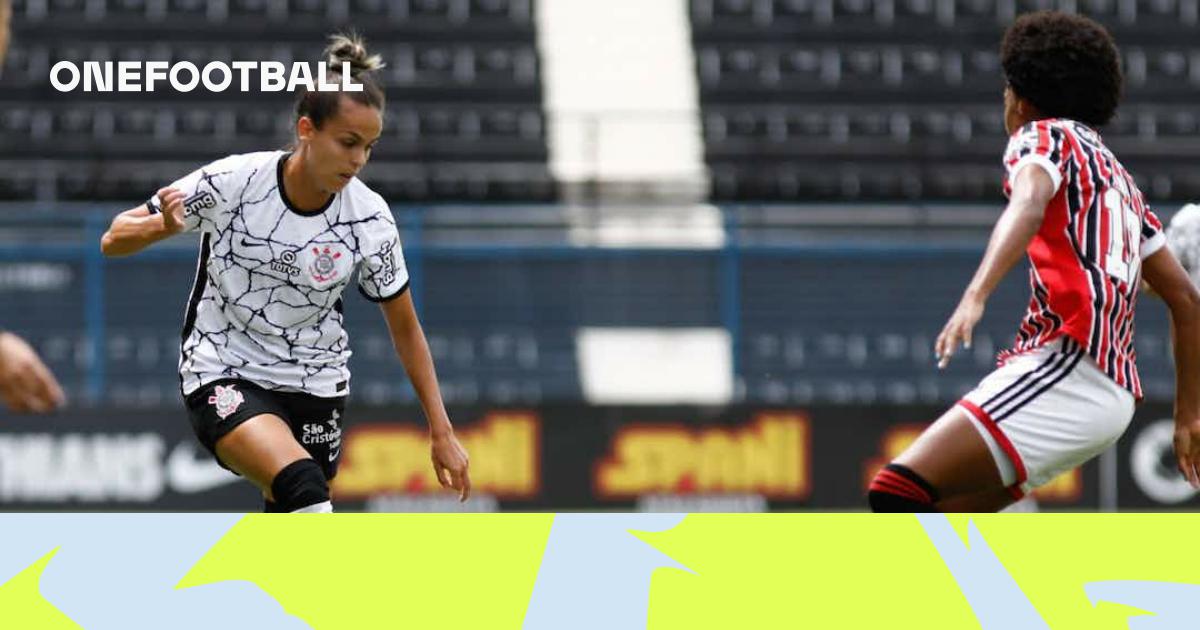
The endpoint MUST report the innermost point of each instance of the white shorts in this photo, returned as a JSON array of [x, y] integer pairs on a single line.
[[1047, 411]]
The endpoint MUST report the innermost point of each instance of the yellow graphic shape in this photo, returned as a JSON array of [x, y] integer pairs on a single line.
[[357, 571], [881, 571], [1052, 556], [803, 571], [22, 604]]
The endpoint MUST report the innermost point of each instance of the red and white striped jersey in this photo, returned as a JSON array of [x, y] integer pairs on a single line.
[[1086, 260]]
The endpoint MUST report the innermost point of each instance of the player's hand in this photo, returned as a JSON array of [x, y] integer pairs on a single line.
[[25, 382], [450, 463], [1187, 447], [958, 330], [170, 203]]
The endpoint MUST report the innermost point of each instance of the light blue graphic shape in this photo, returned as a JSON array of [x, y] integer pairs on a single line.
[[992, 593], [595, 575], [119, 571], [1173, 606]]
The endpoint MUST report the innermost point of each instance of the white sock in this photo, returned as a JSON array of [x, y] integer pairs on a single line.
[[324, 507]]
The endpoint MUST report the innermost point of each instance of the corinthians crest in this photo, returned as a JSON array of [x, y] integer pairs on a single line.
[[324, 265], [226, 399]]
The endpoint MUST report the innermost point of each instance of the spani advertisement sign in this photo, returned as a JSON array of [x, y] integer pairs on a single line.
[[568, 457]]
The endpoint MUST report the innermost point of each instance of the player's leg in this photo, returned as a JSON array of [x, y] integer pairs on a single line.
[[263, 450], [965, 453], [950, 460], [316, 423], [1041, 414], [244, 427], [1055, 420]]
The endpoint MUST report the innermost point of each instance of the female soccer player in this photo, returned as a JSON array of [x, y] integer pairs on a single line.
[[1067, 390], [263, 362], [1183, 237]]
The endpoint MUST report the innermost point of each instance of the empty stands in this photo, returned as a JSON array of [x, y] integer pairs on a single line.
[[464, 118], [900, 99]]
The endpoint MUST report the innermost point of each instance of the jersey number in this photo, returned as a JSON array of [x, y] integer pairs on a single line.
[[1123, 259]]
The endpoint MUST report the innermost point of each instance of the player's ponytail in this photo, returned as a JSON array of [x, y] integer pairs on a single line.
[[350, 48], [343, 48]]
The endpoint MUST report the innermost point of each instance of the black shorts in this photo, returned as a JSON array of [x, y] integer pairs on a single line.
[[218, 407]]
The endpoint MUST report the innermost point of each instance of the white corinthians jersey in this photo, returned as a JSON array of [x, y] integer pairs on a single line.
[[1183, 237], [266, 304]]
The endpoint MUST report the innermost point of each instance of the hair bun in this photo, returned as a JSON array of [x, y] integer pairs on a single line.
[[350, 48]]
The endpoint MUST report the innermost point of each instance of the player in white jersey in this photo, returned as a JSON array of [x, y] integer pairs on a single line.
[[1183, 237], [263, 360], [1067, 390]]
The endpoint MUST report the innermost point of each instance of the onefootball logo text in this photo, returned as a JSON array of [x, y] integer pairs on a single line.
[[185, 76]]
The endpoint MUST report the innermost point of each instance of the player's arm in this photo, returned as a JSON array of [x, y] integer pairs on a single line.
[[1032, 190], [1169, 281], [450, 460], [138, 228], [26, 384]]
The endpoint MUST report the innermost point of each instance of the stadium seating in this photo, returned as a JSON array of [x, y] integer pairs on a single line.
[[900, 99], [464, 119], [801, 99]]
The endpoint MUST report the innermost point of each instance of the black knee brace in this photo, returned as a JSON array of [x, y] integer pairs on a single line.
[[299, 485], [898, 488]]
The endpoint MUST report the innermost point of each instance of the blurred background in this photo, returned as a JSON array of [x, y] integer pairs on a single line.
[[670, 255]]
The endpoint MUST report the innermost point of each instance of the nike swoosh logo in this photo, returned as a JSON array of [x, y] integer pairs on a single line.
[[246, 243], [334, 454], [190, 472]]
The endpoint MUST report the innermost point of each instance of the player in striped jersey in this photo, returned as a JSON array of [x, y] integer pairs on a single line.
[[1067, 390]]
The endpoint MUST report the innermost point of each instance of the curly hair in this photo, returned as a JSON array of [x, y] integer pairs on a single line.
[[1066, 65]]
